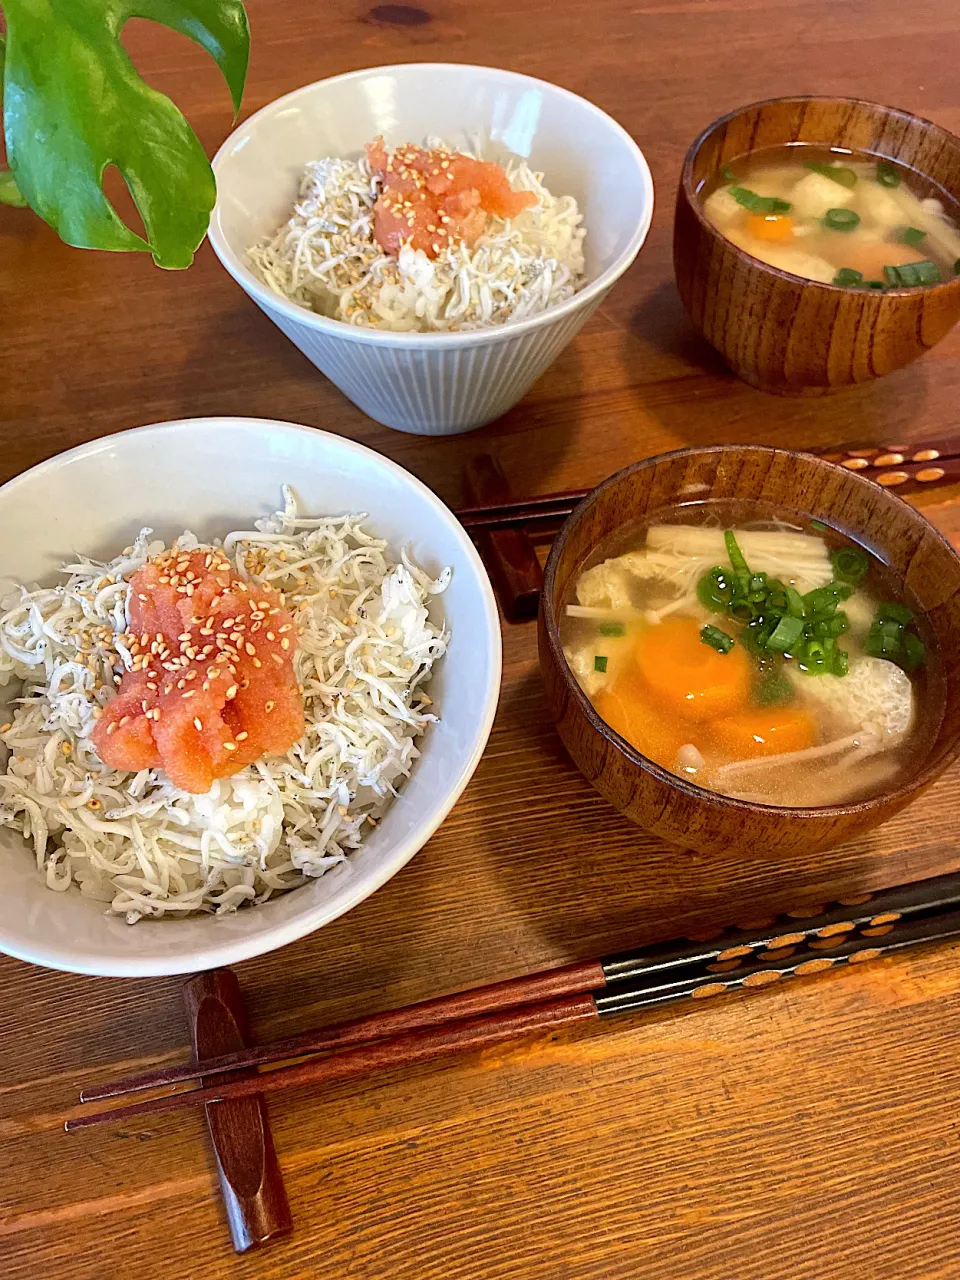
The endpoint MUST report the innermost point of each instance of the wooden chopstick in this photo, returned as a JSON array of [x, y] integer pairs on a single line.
[[422, 1045], [531, 988], [550, 506], [873, 915], [430, 1043]]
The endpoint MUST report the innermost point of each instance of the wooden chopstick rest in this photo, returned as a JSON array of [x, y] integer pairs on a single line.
[[509, 553], [250, 1177]]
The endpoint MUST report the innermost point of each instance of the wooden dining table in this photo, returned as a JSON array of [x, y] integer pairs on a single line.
[[807, 1131]]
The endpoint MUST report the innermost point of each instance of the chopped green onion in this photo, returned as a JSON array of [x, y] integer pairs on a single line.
[[841, 219], [848, 278], [911, 236], [795, 605], [846, 177], [777, 601], [599, 663], [818, 525], [611, 628], [759, 204], [895, 612], [887, 175], [714, 591], [727, 174], [956, 267], [841, 662], [875, 284], [774, 689], [788, 631], [740, 566], [914, 652], [912, 274], [716, 639], [744, 611], [850, 564]]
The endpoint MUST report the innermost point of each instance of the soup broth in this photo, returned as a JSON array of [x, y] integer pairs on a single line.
[[839, 217], [757, 654]]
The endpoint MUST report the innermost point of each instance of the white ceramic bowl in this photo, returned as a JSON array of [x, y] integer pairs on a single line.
[[211, 475], [434, 384]]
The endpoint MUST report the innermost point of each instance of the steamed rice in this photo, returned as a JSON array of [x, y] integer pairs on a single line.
[[325, 258], [147, 848]]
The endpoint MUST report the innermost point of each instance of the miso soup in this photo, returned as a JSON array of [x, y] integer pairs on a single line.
[[839, 217], [757, 654]]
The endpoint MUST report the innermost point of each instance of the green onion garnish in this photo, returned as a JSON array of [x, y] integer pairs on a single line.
[[818, 525], [795, 605], [716, 639], [599, 663], [759, 204], [850, 564], [911, 236], [846, 177], [740, 566], [848, 277], [887, 175], [841, 219], [727, 174], [714, 590], [914, 652], [912, 274], [611, 628], [890, 639], [774, 689], [875, 284], [786, 634], [892, 612], [956, 267]]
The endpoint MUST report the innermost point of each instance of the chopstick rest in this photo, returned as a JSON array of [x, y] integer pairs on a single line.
[[509, 553], [250, 1179]]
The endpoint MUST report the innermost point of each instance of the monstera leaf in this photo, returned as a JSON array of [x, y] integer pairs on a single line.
[[74, 104], [9, 191]]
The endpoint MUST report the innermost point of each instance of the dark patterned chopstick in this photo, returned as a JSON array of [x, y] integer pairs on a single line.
[[900, 467], [905, 468], [818, 930], [433, 1042]]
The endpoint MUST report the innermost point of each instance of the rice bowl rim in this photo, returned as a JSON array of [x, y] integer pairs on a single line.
[[272, 937], [270, 300]]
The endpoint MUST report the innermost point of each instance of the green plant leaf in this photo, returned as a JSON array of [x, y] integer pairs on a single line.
[[75, 104], [9, 191]]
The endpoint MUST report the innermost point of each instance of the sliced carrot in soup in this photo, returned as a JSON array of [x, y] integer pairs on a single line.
[[770, 226], [767, 731], [685, 677], [626, 707]]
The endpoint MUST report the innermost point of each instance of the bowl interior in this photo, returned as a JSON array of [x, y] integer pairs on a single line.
[[895, 532], [580, 150], [211, 476], [839, 122]]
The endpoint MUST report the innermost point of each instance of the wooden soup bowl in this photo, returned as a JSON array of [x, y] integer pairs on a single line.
[[793, 336], [650, 795]]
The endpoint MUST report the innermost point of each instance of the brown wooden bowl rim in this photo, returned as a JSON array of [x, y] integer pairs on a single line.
[[697, 793], [686, 184]]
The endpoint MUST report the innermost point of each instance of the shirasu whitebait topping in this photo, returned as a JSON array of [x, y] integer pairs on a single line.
[[365, 648], [325, 258]]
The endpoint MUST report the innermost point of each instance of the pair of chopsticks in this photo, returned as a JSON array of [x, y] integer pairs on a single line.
[[906, 468], [795, 945]]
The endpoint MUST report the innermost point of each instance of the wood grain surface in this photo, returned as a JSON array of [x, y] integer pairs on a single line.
[[784, 1135]]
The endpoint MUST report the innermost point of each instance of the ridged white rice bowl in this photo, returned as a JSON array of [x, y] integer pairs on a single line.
[[92, 502], [434, 383]]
